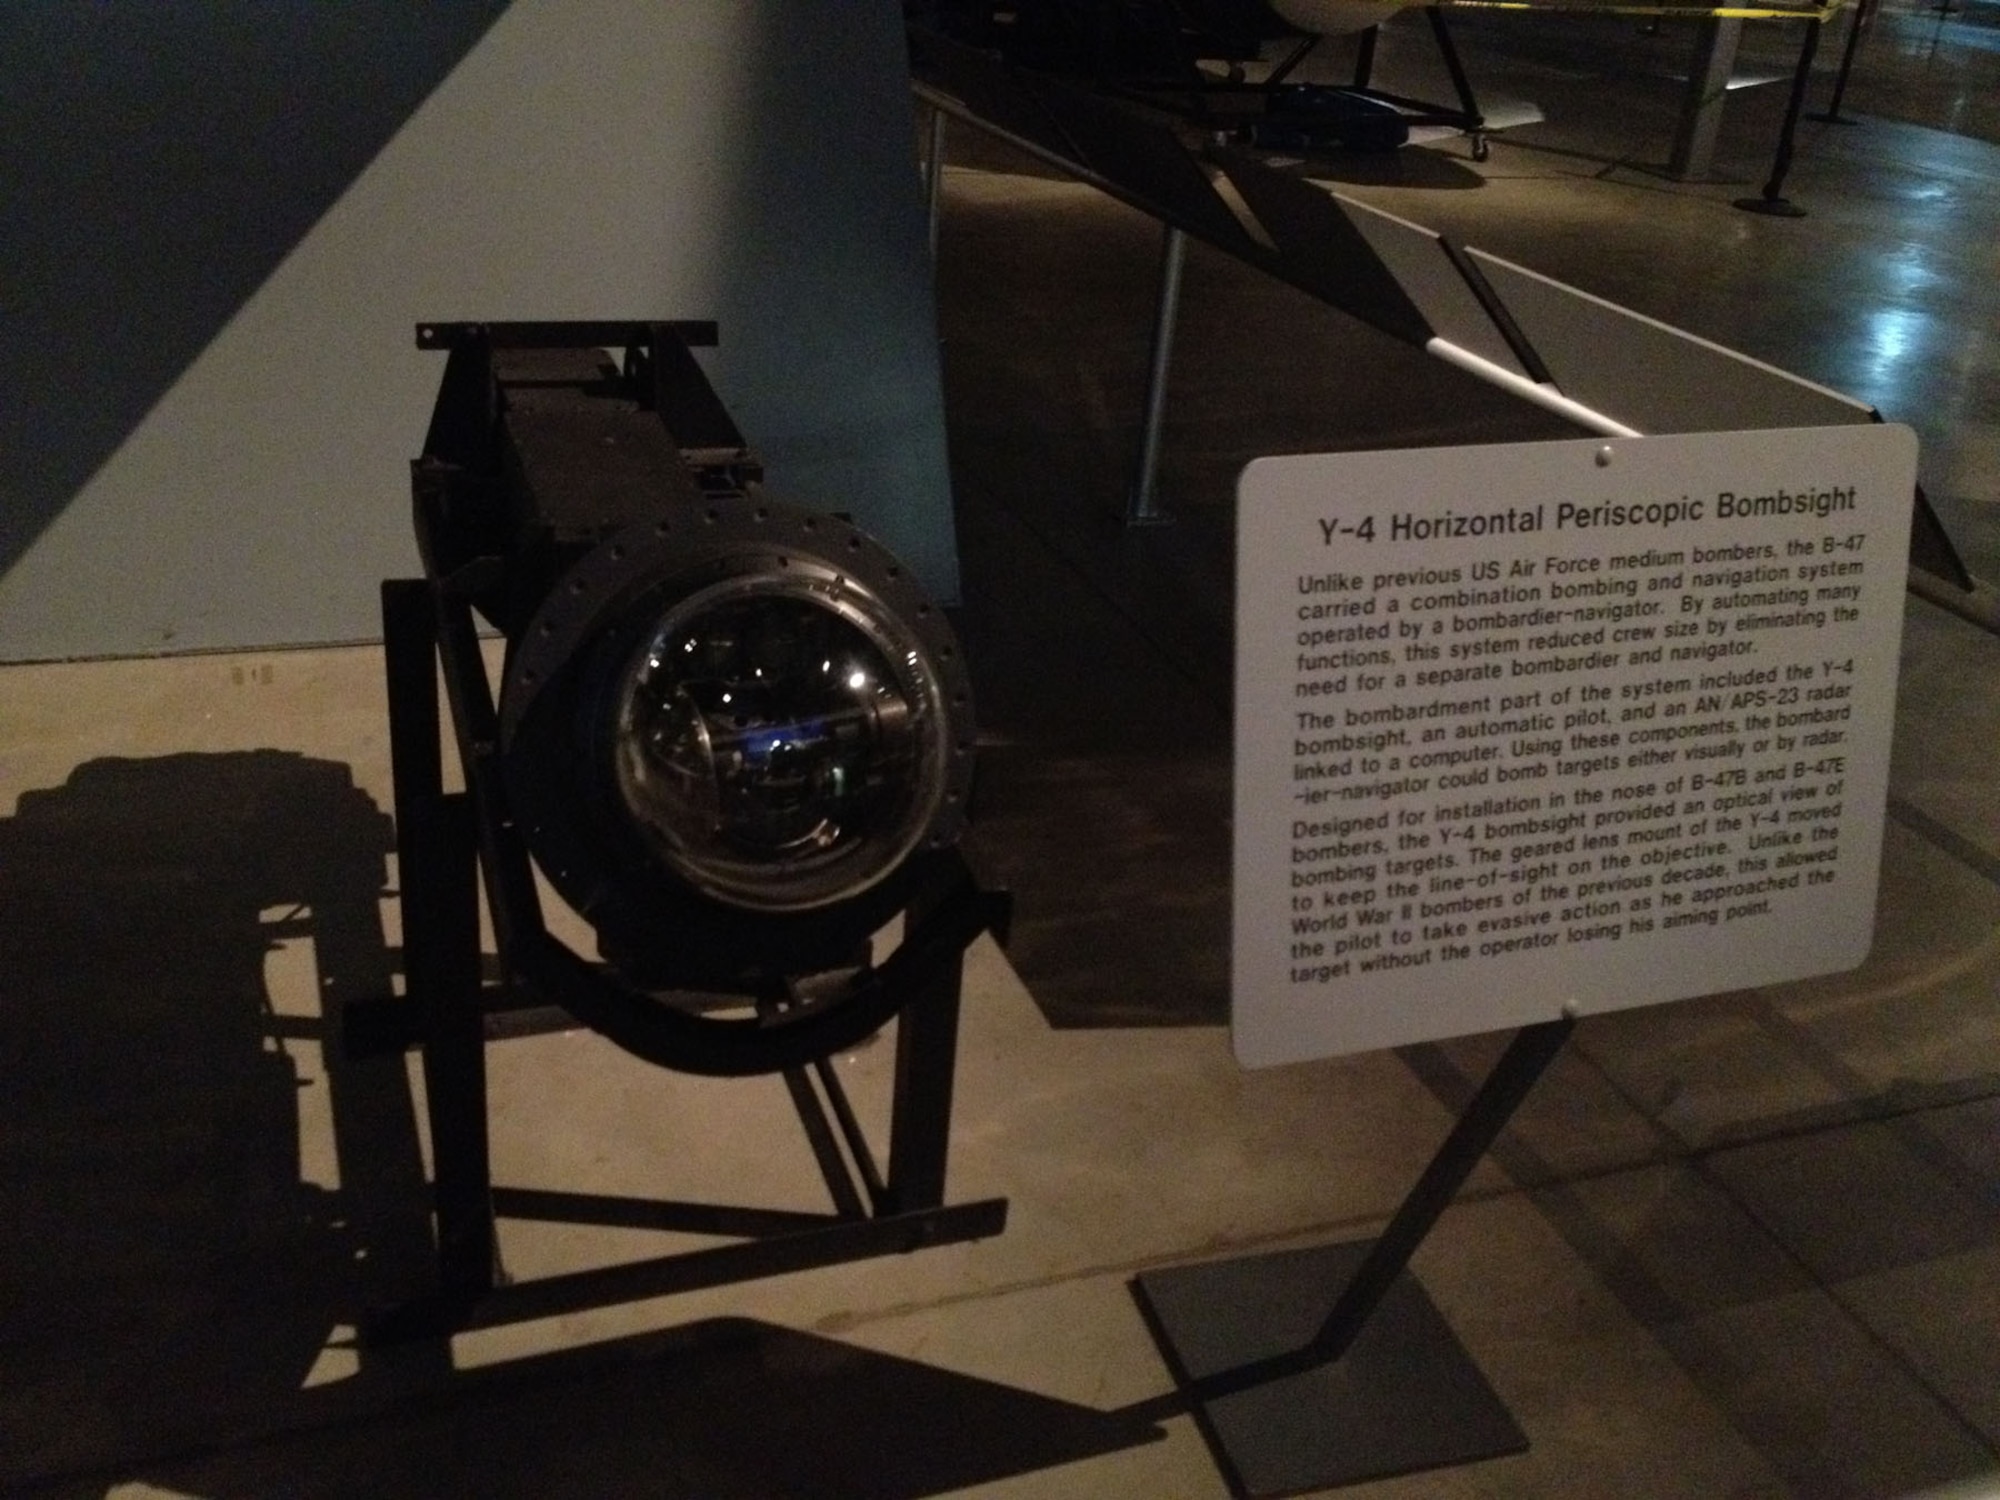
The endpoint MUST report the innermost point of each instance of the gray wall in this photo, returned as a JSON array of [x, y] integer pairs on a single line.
[[222, 221]]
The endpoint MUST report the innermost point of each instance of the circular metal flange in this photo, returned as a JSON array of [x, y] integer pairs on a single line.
[[673, 904]]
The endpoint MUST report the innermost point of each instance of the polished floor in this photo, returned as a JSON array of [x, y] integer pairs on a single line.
[[1746, 1246]]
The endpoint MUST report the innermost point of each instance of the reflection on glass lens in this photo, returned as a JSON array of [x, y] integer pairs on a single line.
[[772, 748]]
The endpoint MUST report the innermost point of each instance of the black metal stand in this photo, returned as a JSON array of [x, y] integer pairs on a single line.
[[1831, 115], [450, 1014], [1294, 1398], [1773, 201]]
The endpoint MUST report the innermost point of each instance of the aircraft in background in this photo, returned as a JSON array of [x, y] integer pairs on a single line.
[[1227, 66]]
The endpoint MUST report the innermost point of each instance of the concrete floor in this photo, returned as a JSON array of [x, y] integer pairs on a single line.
[[1747, 1246]]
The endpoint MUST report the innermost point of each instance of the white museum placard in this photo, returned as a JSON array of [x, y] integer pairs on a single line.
[[1544, 726]]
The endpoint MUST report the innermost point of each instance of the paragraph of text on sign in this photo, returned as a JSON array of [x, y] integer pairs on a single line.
[[1563, 725]]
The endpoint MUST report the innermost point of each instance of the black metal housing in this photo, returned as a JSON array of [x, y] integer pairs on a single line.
[[540, 446], [559, 490]]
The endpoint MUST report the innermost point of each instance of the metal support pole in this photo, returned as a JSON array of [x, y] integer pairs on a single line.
[[1520, 1066], [1700, 121], [1142, 507], [1831, 115], [825, 1145], [1773, 200], [934, 180], [1296, 56], [1461, 85], [437, 872], [454, 1057], [1531, 1051], [920, 1128], [1364, 57]]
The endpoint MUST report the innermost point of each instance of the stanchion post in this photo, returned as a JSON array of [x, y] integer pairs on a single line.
[[1142, 505], [934, 182], [1831, 115], [1773, 201]]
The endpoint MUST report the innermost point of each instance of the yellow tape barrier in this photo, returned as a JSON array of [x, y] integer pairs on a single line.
[[1808, 11]]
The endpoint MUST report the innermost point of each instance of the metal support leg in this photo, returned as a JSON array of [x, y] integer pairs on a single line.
[[437, 872], [1701, 107], [1292, 59], [1364, 57], [934, 180], [1526, 1057], [454, 1057], [1142, 506], [1461, 85], [1773, 200], [920, 1131]]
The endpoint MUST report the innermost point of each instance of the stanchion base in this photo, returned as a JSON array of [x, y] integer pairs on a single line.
[[1777, 208], [1405, 1397]]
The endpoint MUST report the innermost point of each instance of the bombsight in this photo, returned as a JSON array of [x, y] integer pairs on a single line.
[[731, 731]]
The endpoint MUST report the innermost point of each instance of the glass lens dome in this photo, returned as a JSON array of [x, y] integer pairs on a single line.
[[780, 740]]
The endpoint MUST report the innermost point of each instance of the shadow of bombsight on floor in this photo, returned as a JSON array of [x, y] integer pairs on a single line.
[[184, 1165]]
